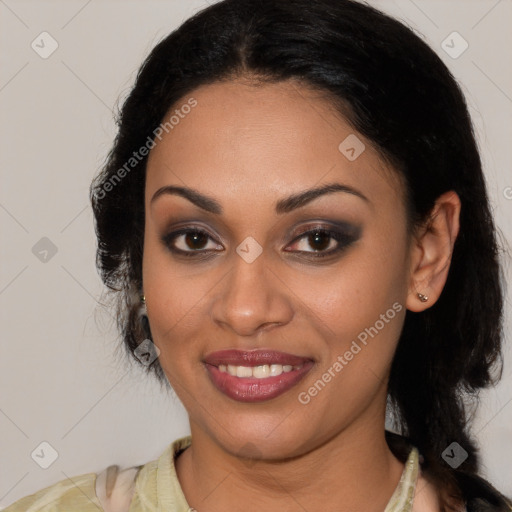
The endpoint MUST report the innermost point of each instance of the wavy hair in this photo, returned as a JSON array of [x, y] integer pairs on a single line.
[[392, 88]]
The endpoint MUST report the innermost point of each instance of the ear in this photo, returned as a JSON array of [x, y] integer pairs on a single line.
[[431, 252]]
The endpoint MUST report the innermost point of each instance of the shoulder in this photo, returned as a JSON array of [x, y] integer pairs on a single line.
[[111, 490], [477, 493], [76, 493]]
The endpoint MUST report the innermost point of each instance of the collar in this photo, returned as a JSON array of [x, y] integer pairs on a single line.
[[169, 494]]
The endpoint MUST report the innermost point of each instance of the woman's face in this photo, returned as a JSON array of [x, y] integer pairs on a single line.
[[310, 321]]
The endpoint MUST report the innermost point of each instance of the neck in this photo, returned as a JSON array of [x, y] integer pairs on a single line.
[[353, 470]]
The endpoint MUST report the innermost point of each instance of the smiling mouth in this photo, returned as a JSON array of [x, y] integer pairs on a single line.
[[257, 375], [258, 372]]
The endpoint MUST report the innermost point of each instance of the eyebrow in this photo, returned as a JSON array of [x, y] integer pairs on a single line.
[[285, 205]]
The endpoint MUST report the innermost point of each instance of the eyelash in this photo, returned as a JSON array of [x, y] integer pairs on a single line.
[[344, 240]]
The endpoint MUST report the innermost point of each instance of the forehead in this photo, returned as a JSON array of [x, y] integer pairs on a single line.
[[250, 141]]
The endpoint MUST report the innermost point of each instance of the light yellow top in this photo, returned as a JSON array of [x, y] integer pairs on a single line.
[[154, 487]]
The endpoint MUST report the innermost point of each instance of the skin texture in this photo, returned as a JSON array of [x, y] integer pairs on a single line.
[[247, 147]]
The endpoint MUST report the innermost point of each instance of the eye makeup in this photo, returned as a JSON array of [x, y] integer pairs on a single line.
[[196, 242]]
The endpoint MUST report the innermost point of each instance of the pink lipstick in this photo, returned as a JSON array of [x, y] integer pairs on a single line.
[[256, 375]]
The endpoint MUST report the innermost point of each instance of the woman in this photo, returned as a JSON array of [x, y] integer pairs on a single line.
[[294, 219]]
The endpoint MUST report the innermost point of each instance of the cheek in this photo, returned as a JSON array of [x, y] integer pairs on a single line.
[[173, 305], [359, 311], [176, 300], [353, 294]]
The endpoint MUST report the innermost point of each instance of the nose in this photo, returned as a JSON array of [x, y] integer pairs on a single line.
[[252, 298]]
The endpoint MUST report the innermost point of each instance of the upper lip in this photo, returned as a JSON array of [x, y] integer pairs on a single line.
[[253, 358]]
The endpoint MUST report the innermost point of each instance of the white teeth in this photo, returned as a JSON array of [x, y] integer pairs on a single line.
[[276, 369], [259, 372], [243, 371]]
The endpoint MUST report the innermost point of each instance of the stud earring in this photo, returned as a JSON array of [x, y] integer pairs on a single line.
[[142, 307], [422, 297]]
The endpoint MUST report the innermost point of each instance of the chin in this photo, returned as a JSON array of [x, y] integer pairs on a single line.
[[269, 438]]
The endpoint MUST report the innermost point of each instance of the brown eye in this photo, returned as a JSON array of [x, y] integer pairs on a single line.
[[195, 240], [190, 241], [320, 242]]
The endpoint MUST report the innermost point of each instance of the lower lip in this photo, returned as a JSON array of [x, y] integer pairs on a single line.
[[251, 389]]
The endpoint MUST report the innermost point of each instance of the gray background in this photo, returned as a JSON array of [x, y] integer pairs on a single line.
[[63, 379]]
